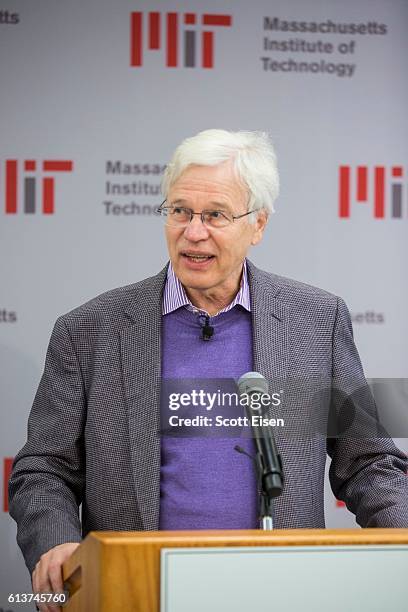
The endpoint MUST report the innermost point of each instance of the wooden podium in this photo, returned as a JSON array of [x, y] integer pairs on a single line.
[[120, 571]]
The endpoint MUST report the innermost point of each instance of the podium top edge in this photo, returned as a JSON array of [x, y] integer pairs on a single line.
[[278, 537]]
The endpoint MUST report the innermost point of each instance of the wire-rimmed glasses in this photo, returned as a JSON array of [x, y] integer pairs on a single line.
[[181, 216]]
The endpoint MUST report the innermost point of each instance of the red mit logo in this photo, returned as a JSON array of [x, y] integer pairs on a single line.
[[372, 185], [172, 26], [48, 184], [7, 465]]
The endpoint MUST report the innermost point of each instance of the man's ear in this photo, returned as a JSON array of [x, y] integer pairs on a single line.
[[260, 224]]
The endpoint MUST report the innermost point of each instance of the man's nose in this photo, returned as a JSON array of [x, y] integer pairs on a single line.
[[196, 230]]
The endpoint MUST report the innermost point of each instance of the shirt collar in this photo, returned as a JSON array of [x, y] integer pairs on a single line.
[[174, 295]]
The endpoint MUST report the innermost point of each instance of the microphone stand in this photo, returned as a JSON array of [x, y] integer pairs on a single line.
[[265, 494], [265, 499], [269, 470]]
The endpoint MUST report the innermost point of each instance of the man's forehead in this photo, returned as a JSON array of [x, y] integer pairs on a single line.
[[219, 182]]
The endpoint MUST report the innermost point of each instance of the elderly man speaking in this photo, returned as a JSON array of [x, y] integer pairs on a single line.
[[210, 313]]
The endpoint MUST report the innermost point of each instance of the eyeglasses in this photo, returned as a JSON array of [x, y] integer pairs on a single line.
[[179, 216]]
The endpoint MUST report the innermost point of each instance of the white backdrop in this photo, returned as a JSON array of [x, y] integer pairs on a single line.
[[69, 93]]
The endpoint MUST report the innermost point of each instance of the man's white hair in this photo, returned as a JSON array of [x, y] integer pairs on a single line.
[[253, 157]]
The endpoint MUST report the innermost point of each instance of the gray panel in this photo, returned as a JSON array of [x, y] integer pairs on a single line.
[[306, 578], [189, 50], [397, 201], [29, 195]]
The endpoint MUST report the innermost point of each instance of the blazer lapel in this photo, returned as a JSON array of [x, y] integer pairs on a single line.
[[270, 330], [141, 368], [270, 320]]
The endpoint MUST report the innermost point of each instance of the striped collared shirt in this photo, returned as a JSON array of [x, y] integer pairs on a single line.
[[174, 295]]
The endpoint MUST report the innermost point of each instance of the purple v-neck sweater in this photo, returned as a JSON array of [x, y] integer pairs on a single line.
[[205, 483]]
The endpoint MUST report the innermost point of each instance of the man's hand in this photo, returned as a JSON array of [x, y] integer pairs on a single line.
[[47, 574]]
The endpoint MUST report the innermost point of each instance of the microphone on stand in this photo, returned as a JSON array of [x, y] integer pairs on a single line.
[[268, 460]]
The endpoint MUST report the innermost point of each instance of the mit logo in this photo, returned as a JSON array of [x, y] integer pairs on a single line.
[[371, 186], [48, 184], [173, 27], [7, 465]]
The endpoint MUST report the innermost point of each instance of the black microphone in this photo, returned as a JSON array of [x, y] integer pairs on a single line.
[[269, 460], [207, 330]]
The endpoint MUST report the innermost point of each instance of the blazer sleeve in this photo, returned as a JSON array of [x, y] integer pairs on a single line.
[[367, 472], [47, 479]]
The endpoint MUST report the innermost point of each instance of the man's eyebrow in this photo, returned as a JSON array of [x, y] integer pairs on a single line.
[[216, 205], [221, 205]]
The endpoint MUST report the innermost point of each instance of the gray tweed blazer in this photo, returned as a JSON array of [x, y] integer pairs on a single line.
[[92, 430]]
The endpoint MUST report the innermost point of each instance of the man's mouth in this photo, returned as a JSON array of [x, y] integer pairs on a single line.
[[197, 257]]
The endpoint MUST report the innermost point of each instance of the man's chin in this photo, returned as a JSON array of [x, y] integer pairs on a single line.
[[196, 280]]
